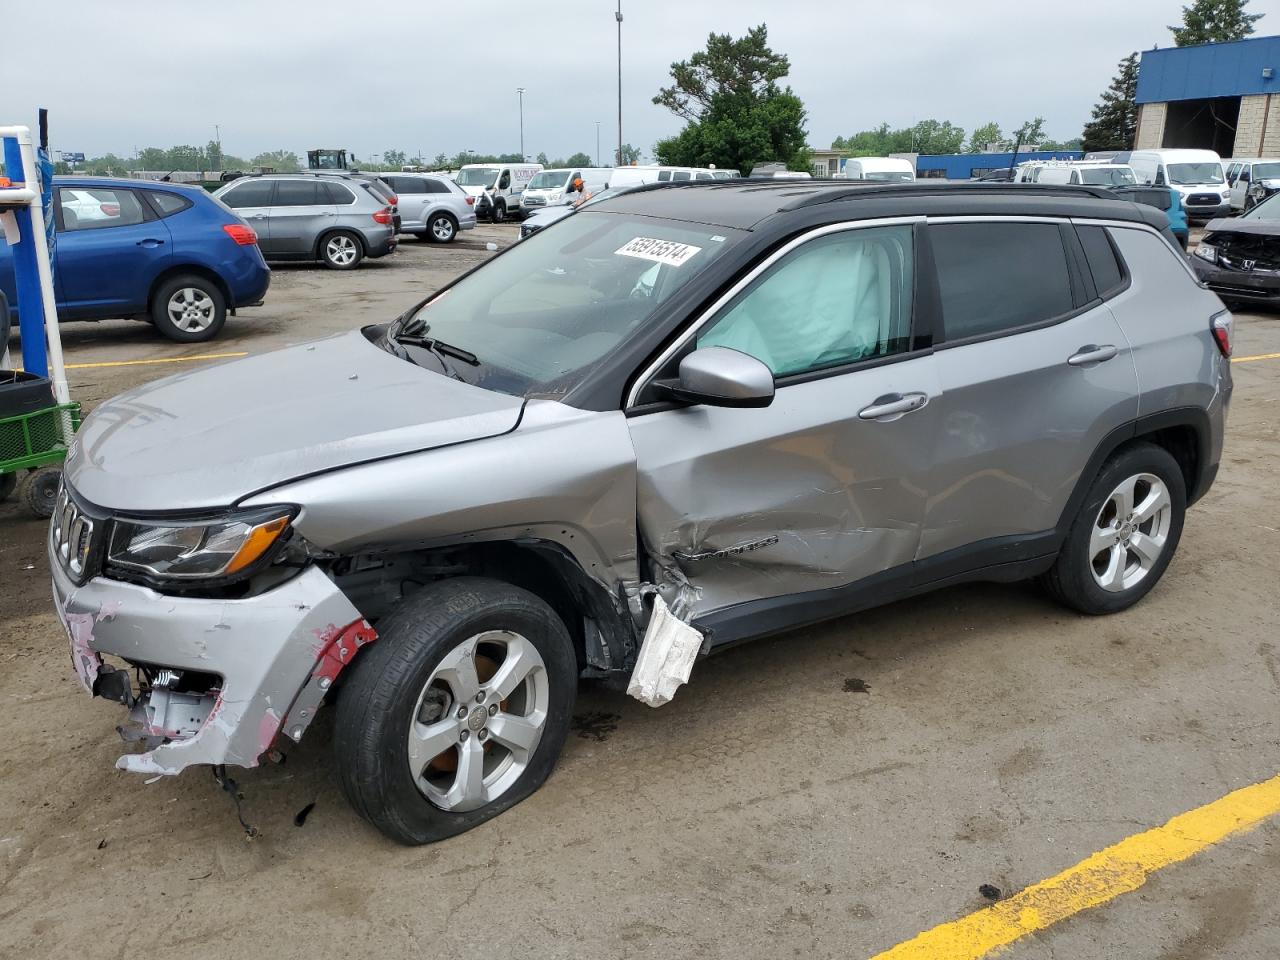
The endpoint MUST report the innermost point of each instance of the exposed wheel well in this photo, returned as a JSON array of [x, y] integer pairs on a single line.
[[437, 213], [194, 270], [1184, 444]]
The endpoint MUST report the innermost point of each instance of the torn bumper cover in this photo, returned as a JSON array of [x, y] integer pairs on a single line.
[[274, 656]]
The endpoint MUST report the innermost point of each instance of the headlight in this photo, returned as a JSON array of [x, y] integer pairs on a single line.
[[1207, 251], [197, 550]]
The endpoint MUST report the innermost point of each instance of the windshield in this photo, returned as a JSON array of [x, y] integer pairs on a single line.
[[1267, 210], [538, 316], [477, 177], [1187, 174], [887, 176], [549, 180], [1108, 176], [1266, 171]]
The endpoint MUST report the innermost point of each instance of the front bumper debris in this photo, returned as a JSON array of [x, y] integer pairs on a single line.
[[261, 652], [1258, 286]]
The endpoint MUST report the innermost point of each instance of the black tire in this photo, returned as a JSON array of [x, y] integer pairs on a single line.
[[8, 482], [441, 228], [189, 309], [1071, 580], [40, 491], [499, 214], [381, 690], [341, 250]]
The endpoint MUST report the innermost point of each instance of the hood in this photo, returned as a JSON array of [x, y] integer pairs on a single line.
[[207, 438], [1249, 225]]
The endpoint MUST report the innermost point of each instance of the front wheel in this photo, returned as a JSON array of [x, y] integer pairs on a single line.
[[189, 309], [457, 712], [1125, 534], [499, 212], [341, 251]]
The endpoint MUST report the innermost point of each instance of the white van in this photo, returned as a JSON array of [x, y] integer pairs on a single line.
[[658, 173], [1089, 172], [502, 183], [551, 187], [1197, 175], [1250, 179], [891, 169]]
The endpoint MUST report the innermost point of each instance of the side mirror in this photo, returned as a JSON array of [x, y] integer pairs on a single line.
[[721, 377]]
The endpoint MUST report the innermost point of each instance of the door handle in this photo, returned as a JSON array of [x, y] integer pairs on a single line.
[[1092, 353], [150, 242], [257, 216], [893, 405]]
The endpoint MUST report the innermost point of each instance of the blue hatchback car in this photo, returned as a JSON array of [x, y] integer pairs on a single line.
[[163, 252]]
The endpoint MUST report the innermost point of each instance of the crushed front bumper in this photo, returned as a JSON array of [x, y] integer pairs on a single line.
[[273, 656], [1254, 286]]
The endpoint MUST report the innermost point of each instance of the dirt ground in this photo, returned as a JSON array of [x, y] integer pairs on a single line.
[[826, 793]]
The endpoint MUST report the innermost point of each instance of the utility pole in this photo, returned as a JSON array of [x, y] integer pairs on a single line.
[[618, 16], [597, 143], [520, 91], [217, 136]]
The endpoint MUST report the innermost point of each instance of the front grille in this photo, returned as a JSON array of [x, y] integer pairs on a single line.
[[72, 537], [535, 201], [1204, 200]]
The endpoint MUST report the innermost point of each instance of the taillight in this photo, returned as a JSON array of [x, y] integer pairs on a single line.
[[393, 200], [382, 216], [1221, 327], [241, 234], [471, 201], [110, 209]]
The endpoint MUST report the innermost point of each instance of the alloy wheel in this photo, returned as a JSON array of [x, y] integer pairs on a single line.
[[341, 250], [1130, 532], [442, 229], [191, 309], [478, 720]]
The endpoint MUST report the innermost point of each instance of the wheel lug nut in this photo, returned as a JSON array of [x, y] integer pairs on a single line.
[[480, 697], [493, 709], [463, 736], [462, 713], [484, 734]]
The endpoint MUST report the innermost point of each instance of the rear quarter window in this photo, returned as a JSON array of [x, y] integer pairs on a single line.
[[997, 277], [168, 203], [1108, 273]]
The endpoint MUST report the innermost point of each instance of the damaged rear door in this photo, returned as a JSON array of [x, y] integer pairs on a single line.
[[827, 485]]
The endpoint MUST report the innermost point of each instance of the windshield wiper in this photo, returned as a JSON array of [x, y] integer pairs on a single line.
[[439, 346]]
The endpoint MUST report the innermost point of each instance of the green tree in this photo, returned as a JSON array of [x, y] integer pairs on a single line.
[[1031, 132], [441, 161], [1061, 144], [630, 154], [282, 161], [1115, 116], [1214, 21], [579, 159], [736, 113], [987, 133], [213, 156], [542, 159], [395, 159]]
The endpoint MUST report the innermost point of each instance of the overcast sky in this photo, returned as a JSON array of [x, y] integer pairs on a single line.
[[442, 77]]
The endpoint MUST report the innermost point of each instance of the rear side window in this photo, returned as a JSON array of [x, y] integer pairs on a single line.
[[337, 193], [407, 185], [1108, 276], [434, 185], [97, 208], [297, 193], [996, 277], [251, 193], [168, 203]]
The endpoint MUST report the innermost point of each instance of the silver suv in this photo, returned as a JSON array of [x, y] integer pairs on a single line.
[[686, 416], [336, 219], [432, 206]]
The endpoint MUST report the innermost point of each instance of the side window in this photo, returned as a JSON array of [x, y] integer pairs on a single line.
[[505, 182], [682, 175], [297, 193], [1232, 171], [168, 203], [337, 193], [995, 277], [97, 208], [408, 185], [433, 185], [834, 300], [664, 176], [1245, 174], [1075, 176], [1159, 180], [705, 176], [250, 193], [1103, 264]]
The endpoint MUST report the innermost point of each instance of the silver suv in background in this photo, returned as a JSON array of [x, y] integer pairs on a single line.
[[337, 220], [432, 206], [686, 416]]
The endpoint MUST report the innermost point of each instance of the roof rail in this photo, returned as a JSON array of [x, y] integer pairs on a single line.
[[869, 190]]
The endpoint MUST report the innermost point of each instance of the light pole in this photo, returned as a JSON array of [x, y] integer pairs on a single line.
[[597, 143], [618, 17], [217, 136], [520, 91]]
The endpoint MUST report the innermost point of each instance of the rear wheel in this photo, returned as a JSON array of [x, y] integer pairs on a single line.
[[442, 228], [189, 309], [40, 492], [341, 251], [457, 712], [499, 212], [1125, 534]]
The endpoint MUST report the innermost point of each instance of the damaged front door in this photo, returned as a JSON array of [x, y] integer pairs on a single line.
[[825, 486]]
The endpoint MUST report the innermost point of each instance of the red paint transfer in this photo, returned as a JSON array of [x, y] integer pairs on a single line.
[[340, 646]]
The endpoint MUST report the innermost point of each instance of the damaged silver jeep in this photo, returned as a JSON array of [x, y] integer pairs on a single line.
[[683, 418]]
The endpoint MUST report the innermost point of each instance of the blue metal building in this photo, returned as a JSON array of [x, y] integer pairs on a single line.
[[1216, 96], [965, 166]]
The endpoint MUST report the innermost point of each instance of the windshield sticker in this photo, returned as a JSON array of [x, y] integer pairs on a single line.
[[659, 251]]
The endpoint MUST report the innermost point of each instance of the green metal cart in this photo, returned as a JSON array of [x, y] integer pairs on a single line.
[[35, 443]]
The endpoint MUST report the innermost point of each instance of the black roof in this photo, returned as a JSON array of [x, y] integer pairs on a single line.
[[742, 204]]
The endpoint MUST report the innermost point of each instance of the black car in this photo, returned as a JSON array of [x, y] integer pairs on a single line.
[[1239, 257]]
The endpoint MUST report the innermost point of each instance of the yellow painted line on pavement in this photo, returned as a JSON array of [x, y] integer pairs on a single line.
[[138, 363], [1261, 356], [1121, 868]]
